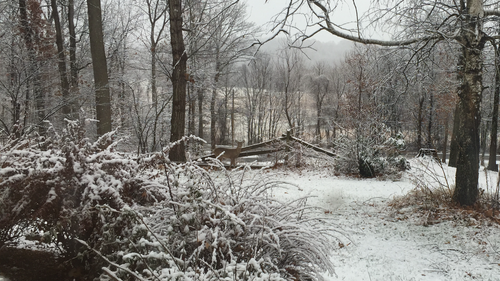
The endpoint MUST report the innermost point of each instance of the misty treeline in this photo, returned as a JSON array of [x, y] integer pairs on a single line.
[[232, 92]]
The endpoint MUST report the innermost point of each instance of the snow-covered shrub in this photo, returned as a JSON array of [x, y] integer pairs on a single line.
[[370, 152], [68, 187], [149, 219], [226, 227]]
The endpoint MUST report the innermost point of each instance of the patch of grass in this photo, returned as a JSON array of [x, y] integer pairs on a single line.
[[430, 202]]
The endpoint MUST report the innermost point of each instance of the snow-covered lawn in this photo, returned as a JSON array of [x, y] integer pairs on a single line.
[[379, 245]]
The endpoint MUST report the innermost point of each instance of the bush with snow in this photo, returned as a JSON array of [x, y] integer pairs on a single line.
[[149, 219], [371, 151]]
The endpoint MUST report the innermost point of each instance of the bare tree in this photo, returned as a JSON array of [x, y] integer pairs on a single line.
[[100, 68], [178, 78], [157, 11], [229, 42], [492, 161], [30, 23], [319, 87], [464, 25], [255, 79], [338, 89], [65, 87], [290, 70]]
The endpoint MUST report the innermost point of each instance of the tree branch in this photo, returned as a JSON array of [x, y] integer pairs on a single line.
[[387, 43]]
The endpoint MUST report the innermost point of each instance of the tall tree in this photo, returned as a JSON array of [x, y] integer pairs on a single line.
[[472, 40], [158, 19], [465, 26], [63, 75], [290, 71], [100, 68], [228, 42], [179, 80], [73, 64], [30, 22], [492, 161], [319, 84]]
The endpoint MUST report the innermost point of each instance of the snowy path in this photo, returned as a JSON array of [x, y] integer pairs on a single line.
[[385, 248]]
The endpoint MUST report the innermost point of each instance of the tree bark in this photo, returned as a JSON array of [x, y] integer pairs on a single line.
[[469, 93], [429, 127], [73, 65], [213, 114], [445, 142], [28, 33], [200, 112], [61, 64], [100, 68], [179, 56], [492, 161]]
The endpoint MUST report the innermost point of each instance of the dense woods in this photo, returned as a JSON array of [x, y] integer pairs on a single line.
[[159, 70]]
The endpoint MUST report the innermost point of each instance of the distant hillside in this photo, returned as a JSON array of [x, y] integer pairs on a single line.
[[318, 51]]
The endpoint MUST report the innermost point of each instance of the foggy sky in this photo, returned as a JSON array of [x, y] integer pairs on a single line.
[[261, 12]]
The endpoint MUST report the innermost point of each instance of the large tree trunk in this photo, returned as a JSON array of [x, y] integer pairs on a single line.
[[100, 68], [492, 161], [469, 93], [177, 123]]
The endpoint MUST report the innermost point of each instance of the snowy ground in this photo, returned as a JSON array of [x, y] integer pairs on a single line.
[[382, 247], [378, 245]]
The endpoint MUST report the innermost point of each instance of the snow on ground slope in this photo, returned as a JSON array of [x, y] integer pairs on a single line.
[[381, 246]]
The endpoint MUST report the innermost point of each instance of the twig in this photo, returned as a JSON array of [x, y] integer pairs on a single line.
[[110, 262]]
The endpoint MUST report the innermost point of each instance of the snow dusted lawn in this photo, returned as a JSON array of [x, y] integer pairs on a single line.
[[379, 245]]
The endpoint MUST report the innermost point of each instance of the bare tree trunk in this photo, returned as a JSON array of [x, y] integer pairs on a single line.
[[72, 57], [154, 91], [469, 93], [191, 109], [484, 135], [28, 36], [454, 142], [100, 68], [63, 75], [445, 143], [213, 114], [492, 161], [179, 61], [200, 113], [420, 121], [429, 127], [232, 117]]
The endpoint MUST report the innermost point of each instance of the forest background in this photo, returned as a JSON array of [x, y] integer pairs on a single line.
[[159, 70]]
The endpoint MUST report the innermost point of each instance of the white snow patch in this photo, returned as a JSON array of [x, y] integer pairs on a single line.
[[384, 248]]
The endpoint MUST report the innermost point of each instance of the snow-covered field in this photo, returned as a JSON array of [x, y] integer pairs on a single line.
[[380, 246]]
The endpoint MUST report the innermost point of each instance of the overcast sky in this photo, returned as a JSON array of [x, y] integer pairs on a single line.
[[261, 12]]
